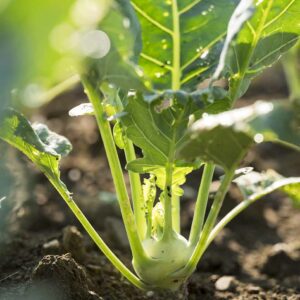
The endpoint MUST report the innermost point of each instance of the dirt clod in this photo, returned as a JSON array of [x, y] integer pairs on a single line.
[[63, 274]]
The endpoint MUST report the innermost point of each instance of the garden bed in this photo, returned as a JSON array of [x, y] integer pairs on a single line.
[[256, 257]]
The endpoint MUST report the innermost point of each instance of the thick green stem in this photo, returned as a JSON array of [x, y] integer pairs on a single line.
[[168, 226], [201, 204], [116, 170], [95, 237], [176, 213], [136, 192], [135, 182], [210, 222], [149, 220]]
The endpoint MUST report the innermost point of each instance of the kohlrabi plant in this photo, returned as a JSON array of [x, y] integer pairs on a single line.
[[152, 71]]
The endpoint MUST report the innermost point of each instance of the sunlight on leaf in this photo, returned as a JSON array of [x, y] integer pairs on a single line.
[[229, 131]]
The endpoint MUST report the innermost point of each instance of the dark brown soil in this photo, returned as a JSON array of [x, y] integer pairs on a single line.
[[42, 257]]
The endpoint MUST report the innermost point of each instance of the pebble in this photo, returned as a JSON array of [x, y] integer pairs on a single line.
[[225, 283], [150, 294], [52, 247], [254, 290]]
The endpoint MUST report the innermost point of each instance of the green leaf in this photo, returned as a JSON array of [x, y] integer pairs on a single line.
[[166, 117], [235, 131], [293, 191], [242, 13], [119, 135], [223, 138], [264, 183], [266, 36], [158, 123], [52, 140], [291, 66], [280, 125], [43, 147], [178, 178], [181, 39]]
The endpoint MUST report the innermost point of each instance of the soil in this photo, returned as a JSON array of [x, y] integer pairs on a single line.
[[45, 254]]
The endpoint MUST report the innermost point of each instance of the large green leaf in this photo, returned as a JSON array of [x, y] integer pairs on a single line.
[[43, 147], [266, 36], [181, 39], [280, 125], [158, 125], [223, 138], [242, 14], [260, 183]]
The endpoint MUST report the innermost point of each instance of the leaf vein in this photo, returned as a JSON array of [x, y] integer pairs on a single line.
[[274, 51], [151, 20], [148, 140], [156, 61], [189, 7], [279, 15], [198, 55]]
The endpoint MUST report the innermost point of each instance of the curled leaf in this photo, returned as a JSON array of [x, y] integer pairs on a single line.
[[43, 147], [54, 141]]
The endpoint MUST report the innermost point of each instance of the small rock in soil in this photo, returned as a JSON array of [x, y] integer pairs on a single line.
[[225, 283], [52, 247], [64, 278], [73, 243], [254, 290]]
